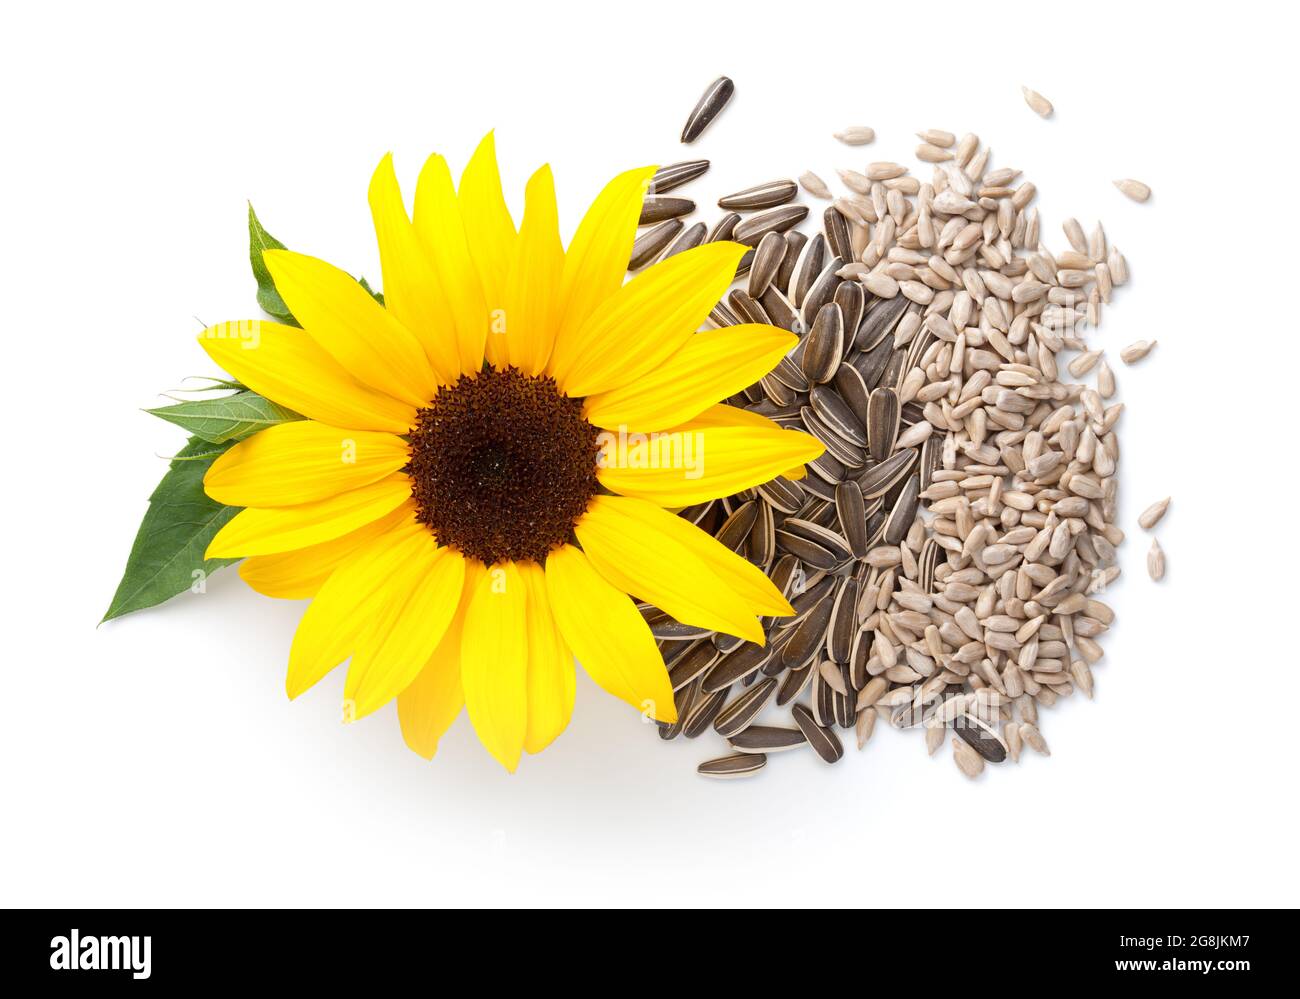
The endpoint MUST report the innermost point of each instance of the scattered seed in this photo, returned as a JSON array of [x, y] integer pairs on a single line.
[[814, 185], [1137, 350], [856, 135], [823, 740], [738, 765], [769, 195], [1134, 189], [1039, 104], [1152, 514], [676, 174], [1156, 561], [714, 100]]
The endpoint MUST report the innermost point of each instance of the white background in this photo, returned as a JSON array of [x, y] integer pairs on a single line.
[[156, 761]]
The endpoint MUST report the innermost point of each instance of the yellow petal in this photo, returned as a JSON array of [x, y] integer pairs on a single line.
[[441, 231], [283, 363], [427, 707], [532, 290], [712, 365], [608, 634], [631, 544], [596, 261], [550, 665], [298, 575], [489, 230], [344, 608], [411, 289], [738, 575], [494, 662], [302, 462], [700, 460], [645, 322], [424, 593], [354, 329], [264, 531]]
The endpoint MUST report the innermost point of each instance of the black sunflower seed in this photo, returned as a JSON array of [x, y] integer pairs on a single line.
[[652, 243], [794, 244], [676, 174], [754, 228], [981, 739], [769, 195], [836, 227], [724, 227], [692, 664], [714, 100], [736, 665], [737, 765], [688, 240], [656, 209], [837, 414], [703, 711], [744, 709], [808, 265], [778, 308], [766, 739], [882, 422], [820, 293], [767, 260], [745, 307], [878, 479], [823, 347], [903, 514], [823, 740]]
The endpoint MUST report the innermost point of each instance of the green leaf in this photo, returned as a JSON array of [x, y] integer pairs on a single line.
[[167, 557], [378, 296], [226, 418], [267, 297]]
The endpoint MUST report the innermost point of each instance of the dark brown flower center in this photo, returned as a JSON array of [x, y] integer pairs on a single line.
[[502, 465]]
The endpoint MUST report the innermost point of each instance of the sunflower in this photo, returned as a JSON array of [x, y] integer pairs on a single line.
[[489, 462]]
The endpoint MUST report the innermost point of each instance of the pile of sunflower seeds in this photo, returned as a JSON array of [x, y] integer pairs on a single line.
[[944, 556]]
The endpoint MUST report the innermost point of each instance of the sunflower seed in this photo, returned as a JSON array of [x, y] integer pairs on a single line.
[[769, 195], [703, 711], [824, 741], [714, 100], [650, 244], [744, 709], [814, 185], [767, 259], [690, 238], [655, 209], [1156, 561], [676, 174], [836, 228], [754, 228], [692, 664], [1137, 350], [856, 135], [1134, 189], [1152, 514], [943, 555], [808, 266], [878, 479], [767, 739], [968, 761], [737, 765], [724, 227], [1039, 104], [981, 738], [825, 344], [736, 665]]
